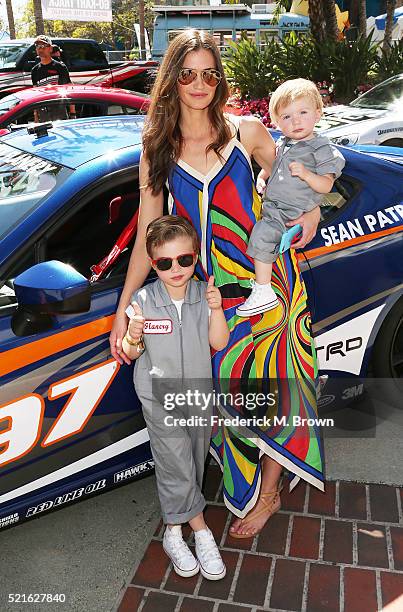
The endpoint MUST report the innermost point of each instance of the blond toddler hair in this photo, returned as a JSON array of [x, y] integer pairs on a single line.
[[290, 91]]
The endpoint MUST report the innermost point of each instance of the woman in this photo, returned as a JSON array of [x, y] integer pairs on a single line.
[[205, 160]]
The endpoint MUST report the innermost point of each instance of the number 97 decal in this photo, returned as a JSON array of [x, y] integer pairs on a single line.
[[21, 420]]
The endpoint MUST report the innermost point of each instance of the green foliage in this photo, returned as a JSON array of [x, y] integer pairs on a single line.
[[349, 64], [390, 63], [257, 72], [301, 57], [251, 70]]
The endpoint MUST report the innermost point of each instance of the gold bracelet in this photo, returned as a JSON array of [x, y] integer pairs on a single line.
[[130, 340], [138, 343]]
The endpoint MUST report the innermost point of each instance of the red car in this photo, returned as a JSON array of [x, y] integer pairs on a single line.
[[61, 101]]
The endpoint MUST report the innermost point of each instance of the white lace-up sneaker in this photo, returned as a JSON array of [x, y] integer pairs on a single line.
[[178, 551], [261, 299], [211, 564]]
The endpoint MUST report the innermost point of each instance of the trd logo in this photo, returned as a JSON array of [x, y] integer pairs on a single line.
[[341, 347]]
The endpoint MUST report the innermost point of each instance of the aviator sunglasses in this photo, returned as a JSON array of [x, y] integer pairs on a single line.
[[210, 76], [165, 263]]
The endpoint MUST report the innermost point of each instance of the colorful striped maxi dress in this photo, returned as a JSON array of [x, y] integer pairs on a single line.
[[271, 352]]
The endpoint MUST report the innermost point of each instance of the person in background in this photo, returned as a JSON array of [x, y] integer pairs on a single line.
[[57, 53], [49, 71]]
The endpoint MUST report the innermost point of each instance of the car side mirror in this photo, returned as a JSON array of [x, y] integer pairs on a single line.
[[47, 289]]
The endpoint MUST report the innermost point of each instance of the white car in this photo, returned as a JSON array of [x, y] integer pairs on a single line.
[[375, 117]]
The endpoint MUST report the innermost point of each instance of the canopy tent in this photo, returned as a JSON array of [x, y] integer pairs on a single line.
[[380, 21]]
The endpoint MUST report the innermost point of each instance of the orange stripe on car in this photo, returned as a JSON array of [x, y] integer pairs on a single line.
[[348, 243], [31, 352]]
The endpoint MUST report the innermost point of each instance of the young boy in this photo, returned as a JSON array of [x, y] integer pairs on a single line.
[[305, 168], [174, 322]]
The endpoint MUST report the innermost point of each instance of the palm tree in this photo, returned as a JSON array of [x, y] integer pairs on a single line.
[[390, 10], [317, 21], [362, 17], [329, 10], [10, 17], [40, 29], [142, 36]]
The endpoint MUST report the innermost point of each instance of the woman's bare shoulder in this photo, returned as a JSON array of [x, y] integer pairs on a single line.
[[251, 124], [248, 125]]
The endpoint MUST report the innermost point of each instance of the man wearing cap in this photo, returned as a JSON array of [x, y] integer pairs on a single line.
[[49, 72]]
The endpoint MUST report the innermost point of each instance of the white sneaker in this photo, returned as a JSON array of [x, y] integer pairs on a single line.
[[179, 552], [261, 299], [211, 564]]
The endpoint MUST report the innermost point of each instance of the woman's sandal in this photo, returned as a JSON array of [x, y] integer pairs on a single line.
[[268, 506]]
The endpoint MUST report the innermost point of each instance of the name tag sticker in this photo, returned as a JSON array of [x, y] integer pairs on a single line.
[[158, 326]]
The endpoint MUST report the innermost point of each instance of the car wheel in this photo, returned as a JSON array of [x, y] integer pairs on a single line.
[[387, 357], [393, 142]]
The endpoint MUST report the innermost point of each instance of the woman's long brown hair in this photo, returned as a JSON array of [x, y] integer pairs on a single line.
[[162, 138]]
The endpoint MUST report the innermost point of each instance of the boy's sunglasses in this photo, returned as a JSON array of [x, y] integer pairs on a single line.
[[165, 263], [40, 46], [210, 76]]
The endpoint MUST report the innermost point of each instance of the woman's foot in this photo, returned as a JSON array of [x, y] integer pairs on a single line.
[[235, 525], [268, 504]]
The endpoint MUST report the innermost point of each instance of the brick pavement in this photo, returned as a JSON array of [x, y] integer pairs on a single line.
[[341, 551]]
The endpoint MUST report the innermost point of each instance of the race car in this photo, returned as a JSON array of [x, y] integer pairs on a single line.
[[57, 101], [70, 421], [375, 117]]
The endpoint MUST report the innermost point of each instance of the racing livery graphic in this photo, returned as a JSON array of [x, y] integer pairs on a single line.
[[70, 423]]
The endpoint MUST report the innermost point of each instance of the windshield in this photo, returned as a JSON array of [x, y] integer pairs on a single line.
[[11, 53], [7, 103], [24, 180], [385, 96]]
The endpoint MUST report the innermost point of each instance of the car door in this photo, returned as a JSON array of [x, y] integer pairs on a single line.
[[70, 422], [85, 61], [351, 267]]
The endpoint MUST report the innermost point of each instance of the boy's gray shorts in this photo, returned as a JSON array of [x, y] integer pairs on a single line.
[[266, 235]]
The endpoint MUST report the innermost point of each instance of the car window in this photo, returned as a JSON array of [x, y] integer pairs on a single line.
[[7, 103], [134, 111], [84, 238], [90, 109], [384, 96], [27, 116], [342, 192], [83, 56], [116, 109], [119, 109], [25, 179], [10, 54]]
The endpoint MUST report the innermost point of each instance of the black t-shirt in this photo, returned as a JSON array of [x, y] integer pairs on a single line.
[[54, 73]]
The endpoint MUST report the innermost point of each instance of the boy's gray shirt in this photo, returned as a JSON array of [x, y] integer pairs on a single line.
[[173, 348], [317, 155]]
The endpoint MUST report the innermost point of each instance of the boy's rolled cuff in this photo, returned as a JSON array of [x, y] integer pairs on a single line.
[[184, 517]]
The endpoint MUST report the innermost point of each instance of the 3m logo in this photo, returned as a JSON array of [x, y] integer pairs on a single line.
[[21, 420]]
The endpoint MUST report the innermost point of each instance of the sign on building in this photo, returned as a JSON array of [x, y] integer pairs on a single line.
[[77, 10]]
